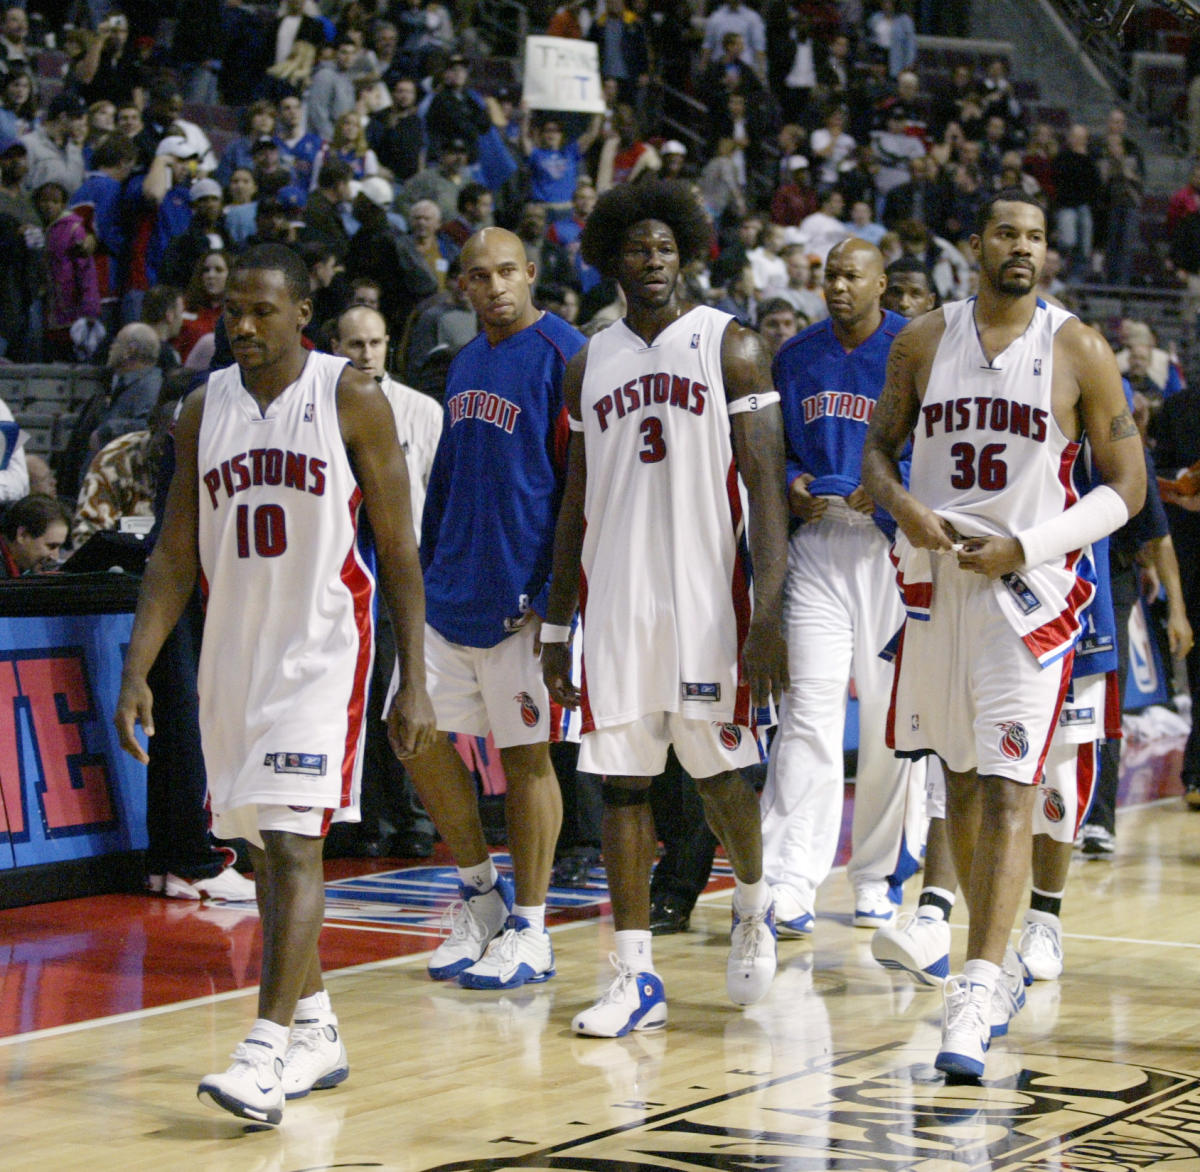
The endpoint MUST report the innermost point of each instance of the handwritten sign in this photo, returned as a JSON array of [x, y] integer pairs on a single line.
[[562, 74]]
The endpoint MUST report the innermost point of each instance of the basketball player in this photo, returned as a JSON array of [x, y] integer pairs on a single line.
[[669, 405], [486, 544], [841, 611], [275, 455], [909, 291], [999, 389]]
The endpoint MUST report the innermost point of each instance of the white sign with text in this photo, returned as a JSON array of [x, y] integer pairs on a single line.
[[562, 74]]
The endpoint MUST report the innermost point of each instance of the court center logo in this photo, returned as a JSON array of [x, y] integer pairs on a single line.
[[529, 710], [1014, 740]]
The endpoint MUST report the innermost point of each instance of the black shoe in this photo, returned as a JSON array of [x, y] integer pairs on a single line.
[[574, 870], [669, 914], [410, 844]]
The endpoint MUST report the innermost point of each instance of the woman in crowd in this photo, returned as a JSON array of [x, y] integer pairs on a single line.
[[203, 300]]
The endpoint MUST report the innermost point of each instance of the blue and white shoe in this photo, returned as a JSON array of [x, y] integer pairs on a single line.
[[1008, 997], [873, 906], [917, 945], [520, 955], [315, 1059], [792, 918], [252, 1088], [634, 1001], [475, 921], [966, 1034], [752, 956]]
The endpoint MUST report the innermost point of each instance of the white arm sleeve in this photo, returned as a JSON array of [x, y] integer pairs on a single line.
[[1097, 514]]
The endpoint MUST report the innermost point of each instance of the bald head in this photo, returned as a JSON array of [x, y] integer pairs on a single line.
[[363, 338], [854, 285], [497, 278], [867, 254]]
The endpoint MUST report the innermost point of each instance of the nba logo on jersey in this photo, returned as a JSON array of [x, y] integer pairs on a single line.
[[1037, 366], [731, 736], [529, 710], [695, 341], [915, 722], [308, 413], [1014, 740]]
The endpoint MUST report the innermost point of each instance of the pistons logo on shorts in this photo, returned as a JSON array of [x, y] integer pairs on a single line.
[[529, 710], [1014, 740], [300, 809], [1053, 806], [730, 735]]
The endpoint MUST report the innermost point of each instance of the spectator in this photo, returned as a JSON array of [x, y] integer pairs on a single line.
[[203, 300], [292, 26], [829, 147], [384, 58], [54, 152], [1049, 282], [819, 232], [291, 78], [435, 250], [895, 149], [1120, 203], [863, 225], [794, 59], [240, 206], [731, 72], [247, 44], [397, 134], [33, 532], [766, 265], [169, 184], [14, 36], [1186, 200], [204, 233], [474, 212], [18, 103], [108, 68], [41, 477], [260, 123], [272, 223], [674, 160], [966, 196], [736, 285], [555, 161], [745, 123], [802, 292], [14, 470], [14, 192], [723, 193], [349, 143], [624, 48], [439, 329], [71, 289], [440, 183], [734, 16], [565, 235], [835, 73], [894, 35], [957, 100], [298, 146], [999, 99], [777, 322], [322, 212], [1076, 185], [1149, 368], [455, 112], [162, 311], [947, 267], [558, 298], [1040, 153], [565, 21], [367, 292], [120, 480], [332, 92], [198, 47]]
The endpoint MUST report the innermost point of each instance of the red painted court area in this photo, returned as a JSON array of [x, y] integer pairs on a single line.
[[79, 960]]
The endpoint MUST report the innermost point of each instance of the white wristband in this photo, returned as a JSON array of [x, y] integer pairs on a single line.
[[555, 633], [1097, 514]]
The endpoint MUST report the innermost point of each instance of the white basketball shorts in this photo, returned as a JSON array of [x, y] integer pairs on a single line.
[[249, 822], [639, 748]]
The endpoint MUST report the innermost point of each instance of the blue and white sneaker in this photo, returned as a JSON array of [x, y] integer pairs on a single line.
[[475, 921], [1008, 997], [792, 918], [873, 906], [634, 1001], [520, 955], [752, 956], [315, 1059], [918, 945], [252, 1087], [966, 1034]]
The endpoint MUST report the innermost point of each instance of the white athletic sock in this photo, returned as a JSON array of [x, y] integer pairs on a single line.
[[633, 949], [536, 915], [481, 877], [751, 898], [270, 1034], [982, 972], [315, 1008]]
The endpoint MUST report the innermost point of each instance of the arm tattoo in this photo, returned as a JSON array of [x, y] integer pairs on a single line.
[[1122, 427]]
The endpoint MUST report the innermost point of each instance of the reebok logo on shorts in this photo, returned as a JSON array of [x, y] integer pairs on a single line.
[[1070, 716], [730, 735], [310, 764], [702, 692], [1014, 740], [529, 710]]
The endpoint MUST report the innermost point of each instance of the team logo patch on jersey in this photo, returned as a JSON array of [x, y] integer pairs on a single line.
[[308, 413], [301, 809], [1053, 806], [1014, 740], [701, 691], [311, 764], [529, 710], [730, 735]]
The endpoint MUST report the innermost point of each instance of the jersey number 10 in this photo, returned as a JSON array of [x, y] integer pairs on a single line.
[[270, 531]]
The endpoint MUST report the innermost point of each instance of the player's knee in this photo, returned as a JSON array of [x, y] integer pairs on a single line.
[[719, 786], [616, 795]]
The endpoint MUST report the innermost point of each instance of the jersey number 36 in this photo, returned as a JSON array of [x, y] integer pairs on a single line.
[[984, 467]]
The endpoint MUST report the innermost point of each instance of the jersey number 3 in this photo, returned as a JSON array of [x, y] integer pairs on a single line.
[[269, 531], [985, 468], [654, 446]]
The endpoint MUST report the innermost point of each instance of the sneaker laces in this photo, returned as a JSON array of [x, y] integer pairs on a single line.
[[503, 950], [751, 939], [1041, 937], [306, 1037], [245, 1054], [620, 983], [963, 1010], [463, 923]]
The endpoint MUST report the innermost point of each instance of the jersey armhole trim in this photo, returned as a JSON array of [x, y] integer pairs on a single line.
[[573, 423]]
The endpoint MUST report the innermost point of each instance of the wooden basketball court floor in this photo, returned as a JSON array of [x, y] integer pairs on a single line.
[[111, 1009]]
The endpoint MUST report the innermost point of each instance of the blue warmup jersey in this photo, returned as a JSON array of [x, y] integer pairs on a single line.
[[487, 534], [828, 396]]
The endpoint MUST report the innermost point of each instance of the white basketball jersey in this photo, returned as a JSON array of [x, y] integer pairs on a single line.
[[664, 597], [989, 456], [288, 634]]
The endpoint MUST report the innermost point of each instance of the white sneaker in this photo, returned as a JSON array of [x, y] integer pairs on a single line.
[[965, 1034], [634, 1001], [230, 885], [1041, 947], [251, 1088], [520, 955], [793, 918], [752, 956], [872, 908], [315, 1059], [1008, 997], [918, 945], [474, 921]]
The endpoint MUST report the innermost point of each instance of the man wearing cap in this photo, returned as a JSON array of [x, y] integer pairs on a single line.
[[15, 199], [53, 151], [205, 232], [456, 111], [175, 163], [674, 157]]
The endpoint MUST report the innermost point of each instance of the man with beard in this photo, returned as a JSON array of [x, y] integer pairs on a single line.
[[998, 392]]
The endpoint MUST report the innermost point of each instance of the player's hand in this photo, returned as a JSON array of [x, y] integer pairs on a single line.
[[1190, 503], [765, 660], [135, 705], [1179, 632], [411, 725], [556, 672], [993, 557], [924, 528], [860, 502], [802, 502]]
